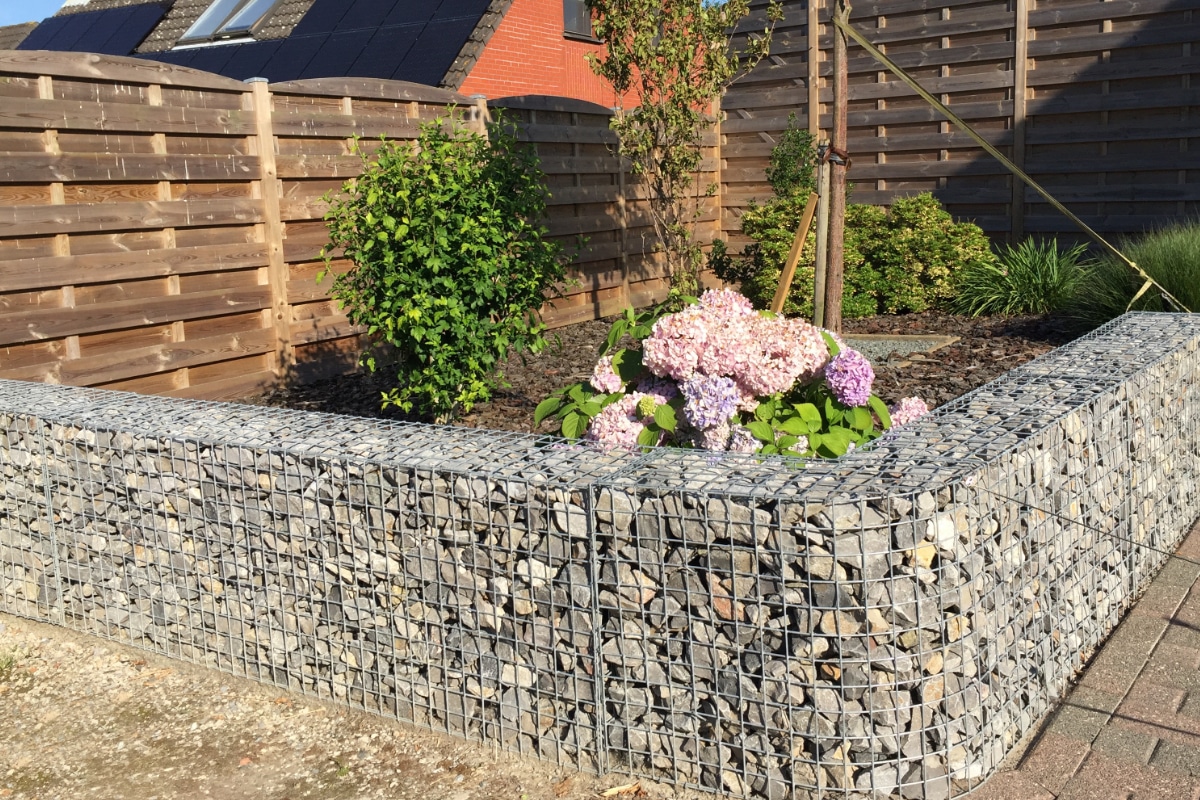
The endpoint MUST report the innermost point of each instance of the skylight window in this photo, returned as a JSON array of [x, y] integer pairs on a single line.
[[227, 19]]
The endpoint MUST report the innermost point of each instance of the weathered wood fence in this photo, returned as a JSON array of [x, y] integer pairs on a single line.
[[160, 228], [1096, 99]]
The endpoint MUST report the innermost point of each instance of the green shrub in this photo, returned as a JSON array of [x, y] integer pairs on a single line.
[[917, 251], [894, 262], [1032, 278], [1171, 256], [449, 261], [792, 170]]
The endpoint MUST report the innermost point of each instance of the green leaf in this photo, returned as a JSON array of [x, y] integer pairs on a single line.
[[860, 418], [833, 412], [574, 424], [628, 364], [795, 426], [545, 409], [787, 441], [809, 413], [615, 333], [664, 417], [765, 411], [762, 431], [881, 411], [590, 409], [831, 343], [648, 437], [837, 441], [769, 450]]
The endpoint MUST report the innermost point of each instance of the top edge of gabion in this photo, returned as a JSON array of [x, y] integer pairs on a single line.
[[948, 445]]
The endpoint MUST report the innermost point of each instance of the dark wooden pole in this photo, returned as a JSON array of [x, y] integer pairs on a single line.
[[837, 176]]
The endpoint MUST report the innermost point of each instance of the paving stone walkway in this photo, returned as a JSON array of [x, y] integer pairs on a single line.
[[1130, 728]]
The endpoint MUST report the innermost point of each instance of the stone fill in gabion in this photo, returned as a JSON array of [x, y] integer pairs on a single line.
[[887, 624]]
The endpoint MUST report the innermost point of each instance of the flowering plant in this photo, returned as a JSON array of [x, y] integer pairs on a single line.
[[719, 375]]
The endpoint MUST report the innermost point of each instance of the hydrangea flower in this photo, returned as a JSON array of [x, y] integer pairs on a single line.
[[850, 376], [742, 441], [675, 342], [727, 303], [662, 390], [604, 377], [714, 438], [907, 410], [618, 423], [709, 401]]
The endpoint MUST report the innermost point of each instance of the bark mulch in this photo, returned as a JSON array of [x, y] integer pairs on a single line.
[[986, 348]]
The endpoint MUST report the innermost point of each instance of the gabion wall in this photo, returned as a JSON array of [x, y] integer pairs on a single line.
[[887, 624]]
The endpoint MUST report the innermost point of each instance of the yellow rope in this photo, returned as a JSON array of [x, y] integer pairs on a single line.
[[1013, 168]]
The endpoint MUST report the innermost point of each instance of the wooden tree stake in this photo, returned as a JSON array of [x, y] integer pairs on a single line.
[[789, 269], [837, 178]]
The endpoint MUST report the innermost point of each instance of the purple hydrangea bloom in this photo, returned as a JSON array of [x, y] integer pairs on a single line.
[[850, 376], [742, 441], [709, 401]]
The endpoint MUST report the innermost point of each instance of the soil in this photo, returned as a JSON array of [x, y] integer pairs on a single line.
[[986, 348]]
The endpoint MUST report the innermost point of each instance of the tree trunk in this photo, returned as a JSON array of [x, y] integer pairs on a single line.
[[837, 176]]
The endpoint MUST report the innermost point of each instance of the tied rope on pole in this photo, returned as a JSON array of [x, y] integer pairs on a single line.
[[849, 30]]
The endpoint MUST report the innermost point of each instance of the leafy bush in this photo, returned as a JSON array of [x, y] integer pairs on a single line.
[[720, 376], [917, 251], [449, 261], [1031, 278], [1171, 256], [894, 261]]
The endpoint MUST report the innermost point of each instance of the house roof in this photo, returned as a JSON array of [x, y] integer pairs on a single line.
[[11, 35], [435, 42]]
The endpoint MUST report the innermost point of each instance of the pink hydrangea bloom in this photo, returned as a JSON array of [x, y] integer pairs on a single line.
[[726, 303], [675, 343], [907, 410], [604, 377], [619, 423]]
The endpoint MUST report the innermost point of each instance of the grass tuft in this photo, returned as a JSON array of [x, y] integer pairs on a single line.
[[1031, 278], [1171, 256]]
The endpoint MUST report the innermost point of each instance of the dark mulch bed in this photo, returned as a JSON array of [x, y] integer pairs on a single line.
[[986, 348]]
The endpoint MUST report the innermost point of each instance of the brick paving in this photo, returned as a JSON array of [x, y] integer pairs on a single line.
[[1130, 727]]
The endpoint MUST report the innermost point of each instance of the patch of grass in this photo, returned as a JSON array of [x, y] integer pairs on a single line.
[[8, 662], [1170, 255], [1032, 278]]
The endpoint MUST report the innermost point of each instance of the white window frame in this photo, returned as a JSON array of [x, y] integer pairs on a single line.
[[229, 19]]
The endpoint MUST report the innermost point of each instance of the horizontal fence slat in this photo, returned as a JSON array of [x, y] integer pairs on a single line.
[[54, 219], [70, 115], [40, 273], [116, 167], [55, 323]]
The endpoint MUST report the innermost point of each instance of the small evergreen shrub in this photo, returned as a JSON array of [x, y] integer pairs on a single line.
[[449, 261], [1171, 256], [1031, 278]]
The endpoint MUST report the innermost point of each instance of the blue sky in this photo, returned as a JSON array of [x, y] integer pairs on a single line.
[[14, 11]]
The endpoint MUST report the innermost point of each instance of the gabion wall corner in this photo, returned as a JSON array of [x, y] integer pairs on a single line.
[[888, 624]]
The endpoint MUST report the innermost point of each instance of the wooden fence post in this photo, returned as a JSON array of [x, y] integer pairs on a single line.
[[1020, 92], [277, 268], [813, 48]]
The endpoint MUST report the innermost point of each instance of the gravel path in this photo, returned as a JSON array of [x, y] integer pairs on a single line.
[[82, 717]]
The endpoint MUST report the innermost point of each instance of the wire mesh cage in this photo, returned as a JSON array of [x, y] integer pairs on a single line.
[[886, 624]]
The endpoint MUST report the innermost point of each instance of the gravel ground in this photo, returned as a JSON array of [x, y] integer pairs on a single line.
[[81, 717]]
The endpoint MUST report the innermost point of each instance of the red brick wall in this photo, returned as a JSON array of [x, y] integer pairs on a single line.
[[528, 54]]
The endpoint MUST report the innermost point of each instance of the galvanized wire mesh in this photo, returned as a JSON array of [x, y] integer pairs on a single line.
[[889, 623]]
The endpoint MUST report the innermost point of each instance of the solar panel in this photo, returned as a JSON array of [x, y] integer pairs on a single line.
[[136, 26], [323, 17], [251, 60], [406, 11], [339, 53], [435, 50], [114, 32], [365, 14], [386, 50], [292, 57], [453, 9]]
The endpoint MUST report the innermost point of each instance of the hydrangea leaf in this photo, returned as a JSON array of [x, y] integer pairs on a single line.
[[881, 411], [546, 408], [664, 417]]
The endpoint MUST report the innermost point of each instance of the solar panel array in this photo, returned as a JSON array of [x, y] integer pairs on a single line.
[[390, 39], [113, 32]]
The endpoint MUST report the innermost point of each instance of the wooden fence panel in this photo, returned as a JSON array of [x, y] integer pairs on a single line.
[[131, 208], [1086, 95], [161, 229]]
